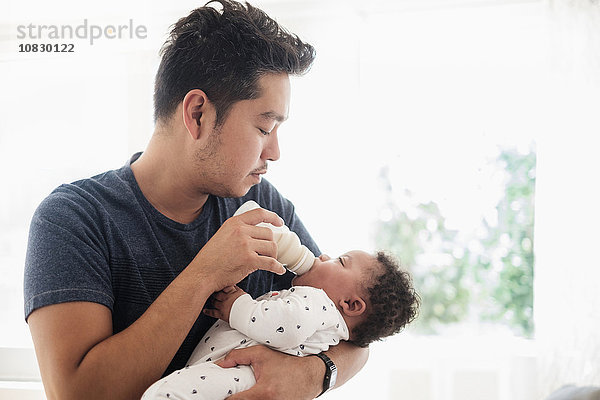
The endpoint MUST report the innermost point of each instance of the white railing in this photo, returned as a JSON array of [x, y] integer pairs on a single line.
[[403, 367], [19, 375], [446, 368]]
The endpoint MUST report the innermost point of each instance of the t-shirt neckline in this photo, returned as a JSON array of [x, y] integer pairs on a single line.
[[157, 215]]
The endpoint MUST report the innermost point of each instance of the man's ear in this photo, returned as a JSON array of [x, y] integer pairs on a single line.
[[353, 306], [193, 108]]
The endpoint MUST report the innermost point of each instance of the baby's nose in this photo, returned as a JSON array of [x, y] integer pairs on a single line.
[[324, 257]]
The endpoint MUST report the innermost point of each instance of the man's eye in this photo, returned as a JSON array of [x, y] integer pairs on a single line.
[[264, 132]]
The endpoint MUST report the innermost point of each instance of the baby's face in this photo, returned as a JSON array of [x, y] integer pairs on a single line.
[[339, 277]]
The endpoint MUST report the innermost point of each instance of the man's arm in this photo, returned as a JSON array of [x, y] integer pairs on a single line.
[[79, 357], [348, 358], [78, 354], [279, 375]]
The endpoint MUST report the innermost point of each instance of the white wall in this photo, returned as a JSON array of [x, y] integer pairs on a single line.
[[567, 271], [567, 274]]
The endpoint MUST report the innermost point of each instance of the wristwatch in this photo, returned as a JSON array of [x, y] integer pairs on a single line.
[[330, 373]]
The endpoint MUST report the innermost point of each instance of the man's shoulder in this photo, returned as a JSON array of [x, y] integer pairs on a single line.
[[86, 196]]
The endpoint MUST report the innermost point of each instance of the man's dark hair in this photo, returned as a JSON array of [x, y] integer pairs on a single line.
[[393, 302], [224, 53]]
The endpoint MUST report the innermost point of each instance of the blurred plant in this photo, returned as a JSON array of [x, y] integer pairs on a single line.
[[511, 245], [484, 276]]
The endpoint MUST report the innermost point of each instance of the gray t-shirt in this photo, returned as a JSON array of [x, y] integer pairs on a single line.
[[100, 240]]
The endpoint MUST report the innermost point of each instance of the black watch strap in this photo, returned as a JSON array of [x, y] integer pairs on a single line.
[[330, 373]]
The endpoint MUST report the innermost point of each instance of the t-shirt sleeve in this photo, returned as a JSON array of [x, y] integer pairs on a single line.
[[67, 255]]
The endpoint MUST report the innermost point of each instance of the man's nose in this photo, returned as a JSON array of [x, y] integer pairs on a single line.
[[271, 151]]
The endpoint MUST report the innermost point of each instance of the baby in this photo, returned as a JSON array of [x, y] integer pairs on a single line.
[[356, 297]]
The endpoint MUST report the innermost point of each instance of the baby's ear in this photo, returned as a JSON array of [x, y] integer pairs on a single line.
[[353, 306]]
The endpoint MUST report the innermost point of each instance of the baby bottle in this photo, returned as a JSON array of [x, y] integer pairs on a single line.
[[294, 256]]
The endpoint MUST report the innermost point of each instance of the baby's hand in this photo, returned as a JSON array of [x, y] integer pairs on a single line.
[[223, 301]]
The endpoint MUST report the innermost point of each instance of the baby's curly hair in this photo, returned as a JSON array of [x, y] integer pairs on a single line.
[[392, 299]]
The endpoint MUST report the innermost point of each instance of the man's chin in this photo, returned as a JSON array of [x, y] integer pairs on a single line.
[[241, 191], [236, 191], [231, 192], [248, 184], [256, 178]]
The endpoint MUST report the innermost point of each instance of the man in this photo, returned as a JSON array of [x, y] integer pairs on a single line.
[[120, 266]]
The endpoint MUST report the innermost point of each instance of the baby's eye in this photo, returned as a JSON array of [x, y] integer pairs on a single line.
[[341, 261]]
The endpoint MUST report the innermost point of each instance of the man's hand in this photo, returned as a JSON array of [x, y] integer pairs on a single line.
[[278, 375], [223, 301], [239, 248]]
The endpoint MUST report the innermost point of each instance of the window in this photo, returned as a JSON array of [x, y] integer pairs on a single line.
[[419, 121]]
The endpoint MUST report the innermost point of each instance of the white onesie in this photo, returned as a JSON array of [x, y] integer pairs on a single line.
[[298, 321]]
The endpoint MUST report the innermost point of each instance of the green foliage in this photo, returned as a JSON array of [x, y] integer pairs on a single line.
[[486, 276], [512, 238]]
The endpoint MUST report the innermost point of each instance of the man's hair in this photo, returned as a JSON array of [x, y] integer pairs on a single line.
[[393, 302], [224, 53]]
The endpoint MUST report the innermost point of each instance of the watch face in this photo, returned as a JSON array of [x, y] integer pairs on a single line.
[[333, 376], [330, 373]]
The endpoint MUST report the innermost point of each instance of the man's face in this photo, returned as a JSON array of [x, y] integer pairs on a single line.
[[339, 277], [238, 151]]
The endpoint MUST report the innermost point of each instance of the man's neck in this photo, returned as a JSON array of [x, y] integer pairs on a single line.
[[164, 185]]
